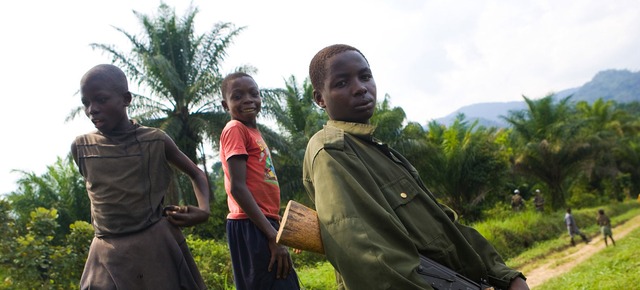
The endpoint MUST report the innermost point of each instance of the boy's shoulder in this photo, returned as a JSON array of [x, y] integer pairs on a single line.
[[327, 137], [234, 125], [140, 133]]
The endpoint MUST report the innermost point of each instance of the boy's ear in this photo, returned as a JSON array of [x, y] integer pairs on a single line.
[[317, 97], [224, 105], [127, 98]]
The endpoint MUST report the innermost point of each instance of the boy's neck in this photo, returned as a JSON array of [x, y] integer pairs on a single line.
[[250, 124]]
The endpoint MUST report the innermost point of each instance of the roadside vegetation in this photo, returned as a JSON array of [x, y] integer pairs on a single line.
[[580, 155], [612, 268]]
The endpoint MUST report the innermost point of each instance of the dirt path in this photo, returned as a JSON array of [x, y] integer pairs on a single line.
[[574, 256]]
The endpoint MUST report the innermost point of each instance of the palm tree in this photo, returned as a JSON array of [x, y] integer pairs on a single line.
[[182, 72], [298, 118], [552, 148], [61, 187], [464, 163], [388, 121], [605, 128], [627, 151]]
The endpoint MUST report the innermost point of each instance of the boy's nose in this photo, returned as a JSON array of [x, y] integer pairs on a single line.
[[361, 89], [91, 109]]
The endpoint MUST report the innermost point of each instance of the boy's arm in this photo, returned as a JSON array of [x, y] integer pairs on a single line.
[[190, 215], [237, 165], [500, 275], [74, 152]]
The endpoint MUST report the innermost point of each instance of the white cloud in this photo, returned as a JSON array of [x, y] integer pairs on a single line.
[[432, 57]]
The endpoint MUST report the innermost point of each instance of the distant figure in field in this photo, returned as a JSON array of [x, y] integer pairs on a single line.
[[538, 201], [605, 227], [573, 229], [517, 203]]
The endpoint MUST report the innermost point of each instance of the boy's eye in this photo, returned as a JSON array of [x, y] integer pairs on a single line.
[[341, 84]]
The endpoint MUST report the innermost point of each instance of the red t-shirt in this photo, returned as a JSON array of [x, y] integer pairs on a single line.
[[238, 139]]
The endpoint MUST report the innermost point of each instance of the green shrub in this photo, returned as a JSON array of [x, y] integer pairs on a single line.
[[68, 260], [320, 276], [518, 232], [214, 262]]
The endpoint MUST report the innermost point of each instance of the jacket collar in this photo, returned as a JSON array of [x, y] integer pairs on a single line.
[[364, 131]]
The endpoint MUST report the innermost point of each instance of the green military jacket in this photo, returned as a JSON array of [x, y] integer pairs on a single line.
[[376, 216]]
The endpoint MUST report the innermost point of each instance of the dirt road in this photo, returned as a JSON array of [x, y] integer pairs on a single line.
[[575, 255]]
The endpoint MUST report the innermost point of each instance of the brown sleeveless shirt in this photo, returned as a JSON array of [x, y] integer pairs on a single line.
[[126, 175]]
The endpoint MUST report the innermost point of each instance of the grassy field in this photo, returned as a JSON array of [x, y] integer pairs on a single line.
[[541, 252], [612, 268]]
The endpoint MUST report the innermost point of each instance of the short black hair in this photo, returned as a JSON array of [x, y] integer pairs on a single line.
[[318, 65], [109, 75], [230, 77]]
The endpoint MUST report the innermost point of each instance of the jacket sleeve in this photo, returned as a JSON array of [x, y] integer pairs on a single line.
[[500, 275], [363, 242]]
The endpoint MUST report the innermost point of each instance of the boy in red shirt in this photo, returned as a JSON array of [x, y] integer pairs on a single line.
[[253, 193]]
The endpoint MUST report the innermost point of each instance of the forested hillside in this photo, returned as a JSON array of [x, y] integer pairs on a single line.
[[621, 86]]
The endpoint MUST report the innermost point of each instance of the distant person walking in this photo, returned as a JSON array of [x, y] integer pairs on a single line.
[[538, 201], [573, 229], [605, 227], [517, 202]]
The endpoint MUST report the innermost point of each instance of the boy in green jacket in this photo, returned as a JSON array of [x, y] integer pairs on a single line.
[[376, 215]]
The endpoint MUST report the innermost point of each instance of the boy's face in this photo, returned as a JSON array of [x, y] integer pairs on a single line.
[[243, 100], [349, 91], [105, 107]]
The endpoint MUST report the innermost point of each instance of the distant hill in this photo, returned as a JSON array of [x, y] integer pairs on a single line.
[[622, 86]]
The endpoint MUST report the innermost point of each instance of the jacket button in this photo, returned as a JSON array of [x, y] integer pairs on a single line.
[[403, 195]]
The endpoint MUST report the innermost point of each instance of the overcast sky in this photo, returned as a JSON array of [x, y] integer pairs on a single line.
[[431, 57]]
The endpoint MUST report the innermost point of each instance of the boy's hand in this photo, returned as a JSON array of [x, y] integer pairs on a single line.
[[518, 284], [185, 216], [280, 255]]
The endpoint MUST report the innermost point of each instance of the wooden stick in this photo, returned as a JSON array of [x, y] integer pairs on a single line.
[[300, 228]]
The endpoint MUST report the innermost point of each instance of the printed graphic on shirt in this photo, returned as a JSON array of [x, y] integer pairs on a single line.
[[269, 170]]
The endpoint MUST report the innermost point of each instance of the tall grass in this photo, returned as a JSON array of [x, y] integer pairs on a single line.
[[321, 276], [513, 235], [615, 267]]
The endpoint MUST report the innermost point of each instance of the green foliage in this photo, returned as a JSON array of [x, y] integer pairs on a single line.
[[31, 253], [463, 164], [320, 276], [35, 260], [214, 262], [553, 150], [306, 259], [60, 187], [580, 196], [298, 118], [388, 121], [513, 234], [215, 227], [612, 268], [68, 260]]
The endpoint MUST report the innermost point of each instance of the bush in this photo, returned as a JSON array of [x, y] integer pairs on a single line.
[[320, 276], [214, 262], [516, 233]]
